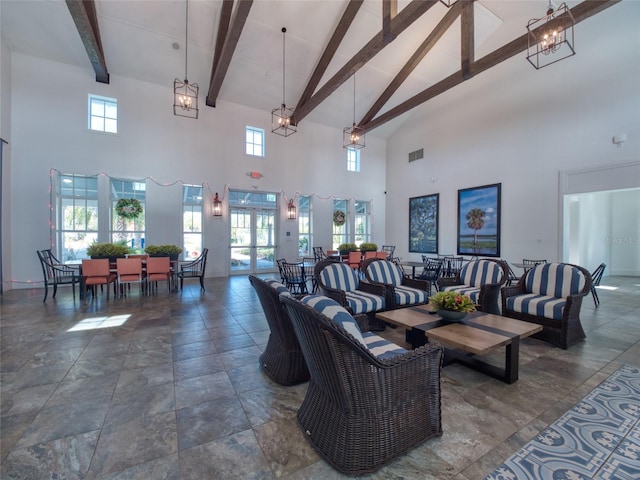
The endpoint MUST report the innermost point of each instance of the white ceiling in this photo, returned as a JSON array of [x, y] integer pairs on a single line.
[[138, 37]]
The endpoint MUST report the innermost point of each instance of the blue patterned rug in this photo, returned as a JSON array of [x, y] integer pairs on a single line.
[[599, 438]]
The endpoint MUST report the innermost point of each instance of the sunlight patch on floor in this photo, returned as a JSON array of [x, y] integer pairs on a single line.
[[99, 322]]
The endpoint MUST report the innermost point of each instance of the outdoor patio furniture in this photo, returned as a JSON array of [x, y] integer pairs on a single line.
[[550, 294], [596, 277], [282, 359], [194, 269], [401, 291], [481, 281], [363, 409], [342, 283], [56, 274]]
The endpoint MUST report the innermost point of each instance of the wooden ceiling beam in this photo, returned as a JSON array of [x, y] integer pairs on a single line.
[[221, 65], [84, 16], [580, 12], [223, 29], [325, 59], [414, 61], [404, 19], [467, 40], [389, 11]]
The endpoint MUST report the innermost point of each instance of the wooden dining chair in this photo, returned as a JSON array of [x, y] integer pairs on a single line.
[[158, 270], [98, 272]]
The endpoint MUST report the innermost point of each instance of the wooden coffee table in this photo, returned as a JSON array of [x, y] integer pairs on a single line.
[[476, 335]]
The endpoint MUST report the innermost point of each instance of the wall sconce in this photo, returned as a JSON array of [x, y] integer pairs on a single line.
[[291, 210], [217, 206]]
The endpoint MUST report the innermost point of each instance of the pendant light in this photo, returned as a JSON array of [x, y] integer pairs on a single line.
[[185, 94], [281, 116], [353, 136]]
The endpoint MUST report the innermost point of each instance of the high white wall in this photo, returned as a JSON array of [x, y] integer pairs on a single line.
[[520, 127], [5, 133], [49, 127]]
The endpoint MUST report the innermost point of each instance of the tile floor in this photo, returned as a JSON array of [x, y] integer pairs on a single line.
[[169, 387]]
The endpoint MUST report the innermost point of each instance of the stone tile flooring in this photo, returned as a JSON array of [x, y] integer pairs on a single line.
[[169, 387]]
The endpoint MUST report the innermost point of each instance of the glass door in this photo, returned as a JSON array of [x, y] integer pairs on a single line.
[[253, 218]]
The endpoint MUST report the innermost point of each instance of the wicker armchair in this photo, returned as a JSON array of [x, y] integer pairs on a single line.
[[550, 294], [401, 291], [342, 283], [282, 358], [481, 280], [360, 411]]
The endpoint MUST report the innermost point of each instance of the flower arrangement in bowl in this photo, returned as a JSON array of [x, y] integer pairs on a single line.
[[452, 305]]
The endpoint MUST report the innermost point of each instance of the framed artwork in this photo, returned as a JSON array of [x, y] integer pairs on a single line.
[[479, 221], [423, 223]]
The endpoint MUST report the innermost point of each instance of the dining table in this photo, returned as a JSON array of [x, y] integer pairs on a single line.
[[413, 266]]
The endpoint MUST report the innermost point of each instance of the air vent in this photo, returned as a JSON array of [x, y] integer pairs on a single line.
[[417, 155]]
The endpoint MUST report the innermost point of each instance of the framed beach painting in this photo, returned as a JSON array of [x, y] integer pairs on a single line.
[[479, 221], [423, 223]]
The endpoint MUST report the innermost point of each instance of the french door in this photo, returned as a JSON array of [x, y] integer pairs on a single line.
[[252, 240]]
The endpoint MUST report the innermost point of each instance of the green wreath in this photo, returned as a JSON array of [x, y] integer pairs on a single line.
[[128, 208], [339, 218]]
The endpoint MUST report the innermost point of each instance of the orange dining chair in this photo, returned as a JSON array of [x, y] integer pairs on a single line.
[[382, 255], [129, 270], [158, 270], [98, 272], [354, 260]]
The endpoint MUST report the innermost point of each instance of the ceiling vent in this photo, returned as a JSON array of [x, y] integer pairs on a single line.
[[417, 155]]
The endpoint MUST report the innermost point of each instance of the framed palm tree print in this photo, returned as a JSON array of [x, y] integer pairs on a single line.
[[423, 224], [479, 221]]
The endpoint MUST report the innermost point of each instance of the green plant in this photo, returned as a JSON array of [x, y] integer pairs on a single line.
[[163, 249], [347, 247], [107, 250], [368, 247], [452, 301]]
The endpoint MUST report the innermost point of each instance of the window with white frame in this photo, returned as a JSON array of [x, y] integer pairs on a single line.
[[129, 231], [77, 215], [254, 141], [304, 226], [353, 159], [192, 220], [103, 114], [340, 216], [362, 222]]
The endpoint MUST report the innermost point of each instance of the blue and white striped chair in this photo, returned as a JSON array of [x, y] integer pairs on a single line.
[[550, 295], [341, 283], [401, 291], [481, 281]]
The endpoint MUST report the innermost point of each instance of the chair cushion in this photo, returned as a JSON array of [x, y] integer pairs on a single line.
[[537, 305], [332, 309], [363, 302], [480, 272], [555, 280], [277, 286], [340, 277], [472, 292], [385, 272], [380, 347], [409, 296]]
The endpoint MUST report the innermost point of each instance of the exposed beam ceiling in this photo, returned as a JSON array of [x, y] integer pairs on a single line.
[[221, 65], [84, 16], [580, 12], [234, 13]]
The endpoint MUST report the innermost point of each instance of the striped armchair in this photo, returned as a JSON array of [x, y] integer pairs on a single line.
[[481, 281], [550, 295], [341, 283], [401, 291]]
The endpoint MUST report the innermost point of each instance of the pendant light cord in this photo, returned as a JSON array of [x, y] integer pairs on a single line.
[[354, 99], [283, 64], [186, 40]]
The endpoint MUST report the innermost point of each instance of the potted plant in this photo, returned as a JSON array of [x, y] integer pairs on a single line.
[[107, 250], [345, 248], [171, 251], [368, 247], [452, 305]]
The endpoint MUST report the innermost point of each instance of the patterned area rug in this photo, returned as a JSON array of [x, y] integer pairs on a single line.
[[599, 438]]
